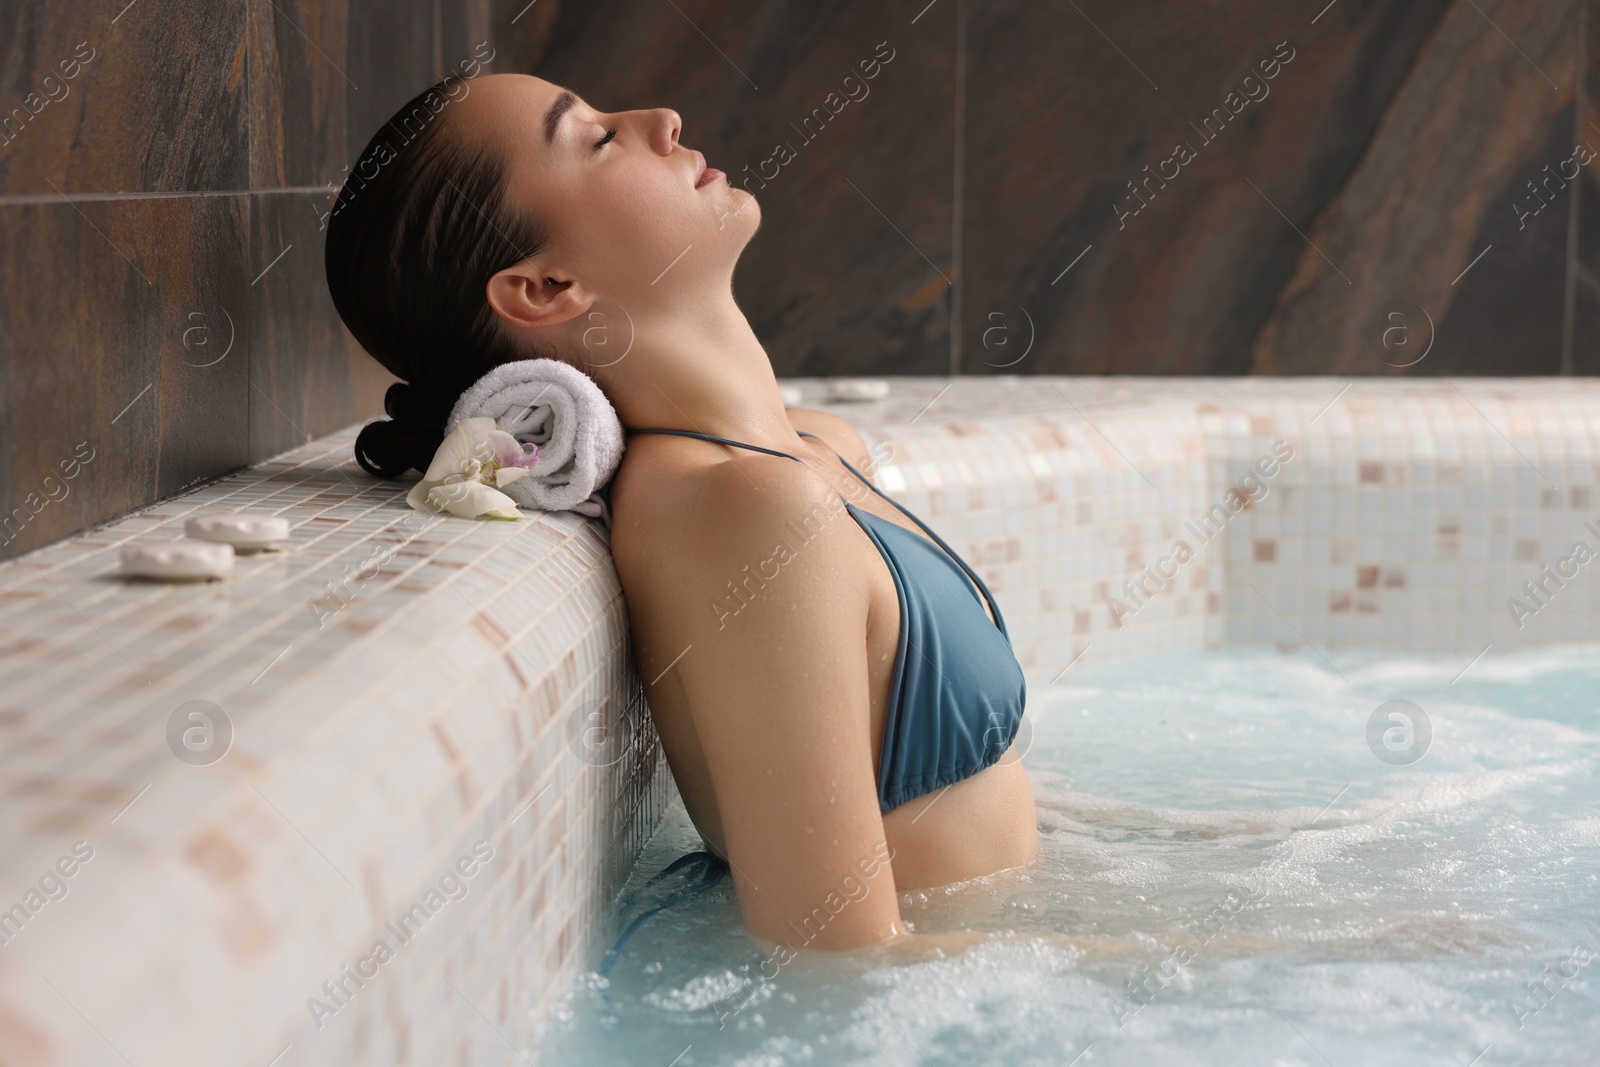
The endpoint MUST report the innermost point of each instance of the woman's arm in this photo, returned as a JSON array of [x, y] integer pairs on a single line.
[[779, 699]]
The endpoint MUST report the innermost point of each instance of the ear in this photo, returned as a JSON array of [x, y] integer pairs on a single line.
[[522, 295]]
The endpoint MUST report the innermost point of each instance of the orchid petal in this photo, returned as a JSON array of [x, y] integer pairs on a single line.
[[458, 449], [472, 500]]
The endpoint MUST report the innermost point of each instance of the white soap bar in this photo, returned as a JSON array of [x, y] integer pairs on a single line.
[[183, 560], [857, 388], [239, 530], [790, 395]]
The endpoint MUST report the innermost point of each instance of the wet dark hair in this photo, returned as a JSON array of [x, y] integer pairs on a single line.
[[418, 229]]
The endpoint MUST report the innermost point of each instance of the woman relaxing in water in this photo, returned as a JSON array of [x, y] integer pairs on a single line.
[[842, 728]]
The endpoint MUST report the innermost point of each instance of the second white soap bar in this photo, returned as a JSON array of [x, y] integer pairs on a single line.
[[182, 560], [239, 530]]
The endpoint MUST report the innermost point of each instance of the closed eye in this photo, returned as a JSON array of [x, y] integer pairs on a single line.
[[612, 132]]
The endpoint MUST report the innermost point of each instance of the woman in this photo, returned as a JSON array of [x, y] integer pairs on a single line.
[[835, 692]]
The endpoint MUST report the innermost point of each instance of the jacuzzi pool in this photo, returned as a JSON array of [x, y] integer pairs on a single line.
[[1298, 878]]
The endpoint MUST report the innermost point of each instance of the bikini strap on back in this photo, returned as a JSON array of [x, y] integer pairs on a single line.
[[722, 441]]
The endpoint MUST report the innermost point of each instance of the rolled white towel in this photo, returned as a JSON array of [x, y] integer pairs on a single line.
[[562, 410]]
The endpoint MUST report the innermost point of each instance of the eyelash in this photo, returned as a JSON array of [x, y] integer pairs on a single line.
[[612, 132]]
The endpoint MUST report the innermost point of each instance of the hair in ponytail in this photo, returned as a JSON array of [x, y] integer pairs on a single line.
[[418, 229]]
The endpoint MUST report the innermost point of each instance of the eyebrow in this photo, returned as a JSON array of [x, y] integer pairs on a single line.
[[552, 118]]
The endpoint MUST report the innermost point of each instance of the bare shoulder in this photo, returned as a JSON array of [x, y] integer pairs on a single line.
[[838, 432], [680, 515]]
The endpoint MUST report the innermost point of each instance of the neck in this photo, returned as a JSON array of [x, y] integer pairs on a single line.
[[700, 367]]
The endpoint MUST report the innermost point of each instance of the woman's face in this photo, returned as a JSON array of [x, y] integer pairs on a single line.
[[616, 191]]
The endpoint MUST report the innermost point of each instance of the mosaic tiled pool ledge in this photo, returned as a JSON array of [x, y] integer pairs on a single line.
[[413, 762]]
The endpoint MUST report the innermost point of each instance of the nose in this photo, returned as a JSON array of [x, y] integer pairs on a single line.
[[665, 124]]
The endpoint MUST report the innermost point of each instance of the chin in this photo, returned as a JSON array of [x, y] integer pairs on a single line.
[[740, 212]]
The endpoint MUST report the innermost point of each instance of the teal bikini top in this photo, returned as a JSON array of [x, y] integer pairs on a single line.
[[958, 692]]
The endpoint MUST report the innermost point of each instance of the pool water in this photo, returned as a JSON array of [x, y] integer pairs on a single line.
[[1304, 880]]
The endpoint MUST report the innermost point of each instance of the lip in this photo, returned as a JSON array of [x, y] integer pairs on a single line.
[[704, 175]]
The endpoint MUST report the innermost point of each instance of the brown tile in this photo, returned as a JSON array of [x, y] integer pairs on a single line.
[[389, 55], [466, 26], [1507, 317], [1584, 350], [1181, 287], [1452, 197], [126, 330], [156, 101], [308, 377], [298, 86]]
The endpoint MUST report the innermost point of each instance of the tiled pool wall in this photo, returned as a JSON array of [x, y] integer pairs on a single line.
[[402, 687]]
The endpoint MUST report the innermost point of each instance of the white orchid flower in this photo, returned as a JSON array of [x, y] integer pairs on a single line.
[[466, 473]]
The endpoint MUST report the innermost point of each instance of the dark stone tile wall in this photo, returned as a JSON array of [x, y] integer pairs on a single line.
[[1326, 228], [145, 99], [1482, 109], [93, 356], [995, 203]]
